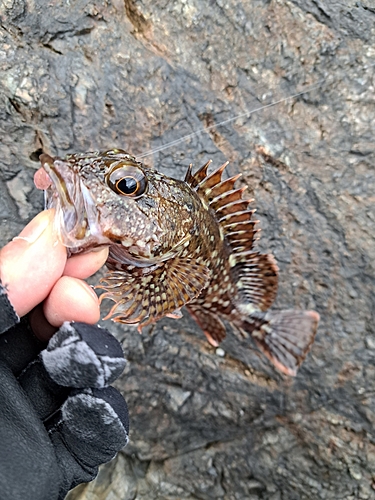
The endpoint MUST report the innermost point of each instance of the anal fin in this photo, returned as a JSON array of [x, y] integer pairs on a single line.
[[211, 325]]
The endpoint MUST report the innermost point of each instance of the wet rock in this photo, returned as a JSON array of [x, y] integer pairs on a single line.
[[140, 75]]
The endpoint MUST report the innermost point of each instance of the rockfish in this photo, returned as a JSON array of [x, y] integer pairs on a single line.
[[175, 243]]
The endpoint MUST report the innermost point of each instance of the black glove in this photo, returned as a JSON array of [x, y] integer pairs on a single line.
[[59, 420]]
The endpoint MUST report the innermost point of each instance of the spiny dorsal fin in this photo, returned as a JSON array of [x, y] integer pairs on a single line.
[[256, 275], [143, 296], [231, 209], [194, 179]]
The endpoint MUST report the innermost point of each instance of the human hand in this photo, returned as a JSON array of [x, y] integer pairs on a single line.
[[59, 419], [38, 277]]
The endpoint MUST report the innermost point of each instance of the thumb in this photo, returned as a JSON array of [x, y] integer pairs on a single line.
[[32, 263]]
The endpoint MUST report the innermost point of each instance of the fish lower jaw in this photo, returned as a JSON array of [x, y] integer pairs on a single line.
[[86, 243], [80, 234]]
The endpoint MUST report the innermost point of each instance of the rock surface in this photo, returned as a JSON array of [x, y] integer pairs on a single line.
[[86, 75]]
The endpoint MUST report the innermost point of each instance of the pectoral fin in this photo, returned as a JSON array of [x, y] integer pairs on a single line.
[[144, 295]]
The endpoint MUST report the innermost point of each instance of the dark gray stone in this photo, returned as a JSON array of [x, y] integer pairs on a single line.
[[141, 74]]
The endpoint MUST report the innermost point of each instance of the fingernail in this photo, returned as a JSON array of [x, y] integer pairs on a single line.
[[88, 289], [35, 228], [92, 291]]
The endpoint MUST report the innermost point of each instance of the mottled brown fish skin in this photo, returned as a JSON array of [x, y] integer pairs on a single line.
[[175, 243], [121, 217]]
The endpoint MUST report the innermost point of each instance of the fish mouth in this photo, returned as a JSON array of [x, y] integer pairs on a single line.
[[76, 218]]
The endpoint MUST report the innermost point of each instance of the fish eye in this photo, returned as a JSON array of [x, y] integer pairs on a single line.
[[127, 181]]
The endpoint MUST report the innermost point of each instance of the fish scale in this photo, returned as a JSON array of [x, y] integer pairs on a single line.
[[176, 243]]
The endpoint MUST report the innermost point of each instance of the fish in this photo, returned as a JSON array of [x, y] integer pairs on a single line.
[[175, 243]]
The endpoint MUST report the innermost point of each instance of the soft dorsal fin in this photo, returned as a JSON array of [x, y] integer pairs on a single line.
[[257, 280], [231, 208]]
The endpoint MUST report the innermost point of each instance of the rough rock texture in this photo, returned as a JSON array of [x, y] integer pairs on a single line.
[[84, 75]]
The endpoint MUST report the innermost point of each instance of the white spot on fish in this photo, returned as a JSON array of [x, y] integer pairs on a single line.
[[127, 242], [232, 260]]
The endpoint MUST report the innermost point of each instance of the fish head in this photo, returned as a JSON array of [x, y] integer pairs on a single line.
[[109, 198]]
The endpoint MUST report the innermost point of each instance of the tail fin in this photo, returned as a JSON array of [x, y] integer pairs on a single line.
[[285, 337]]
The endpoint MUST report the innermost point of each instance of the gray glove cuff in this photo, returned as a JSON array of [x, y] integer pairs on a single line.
[[8, 316]]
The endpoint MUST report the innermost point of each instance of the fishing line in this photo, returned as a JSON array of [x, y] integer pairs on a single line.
[[229, 120], [329, 80]]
